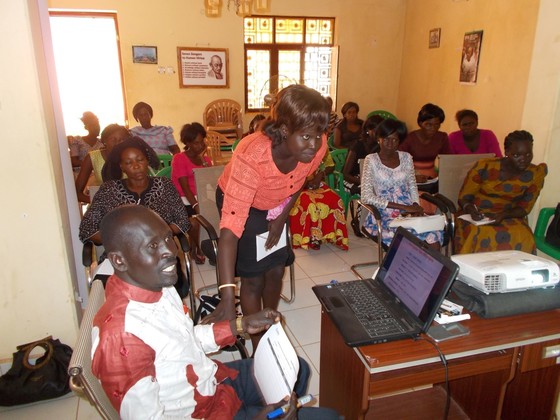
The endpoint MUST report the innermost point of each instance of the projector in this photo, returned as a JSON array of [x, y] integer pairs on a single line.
[[506, 271]]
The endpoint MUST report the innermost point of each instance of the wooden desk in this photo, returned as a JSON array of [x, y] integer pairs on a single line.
[[497, 371]]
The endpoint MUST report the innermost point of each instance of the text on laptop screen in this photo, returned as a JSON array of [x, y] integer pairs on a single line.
[[411, 274]]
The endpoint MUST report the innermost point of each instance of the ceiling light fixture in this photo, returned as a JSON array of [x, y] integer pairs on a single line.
[[243, 8]]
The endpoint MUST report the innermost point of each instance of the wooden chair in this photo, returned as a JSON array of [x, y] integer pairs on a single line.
[[224, 116], [214, 141]]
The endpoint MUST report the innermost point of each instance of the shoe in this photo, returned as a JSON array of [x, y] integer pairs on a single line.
[[315, 244]]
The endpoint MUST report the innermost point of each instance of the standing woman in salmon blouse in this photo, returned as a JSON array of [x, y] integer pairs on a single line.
[[255, 193]]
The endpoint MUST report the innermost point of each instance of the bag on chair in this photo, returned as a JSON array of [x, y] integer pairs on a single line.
[[48, 378], [553, 232]]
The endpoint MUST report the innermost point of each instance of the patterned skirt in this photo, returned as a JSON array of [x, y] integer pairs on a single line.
[[318, 215], [511, 234]]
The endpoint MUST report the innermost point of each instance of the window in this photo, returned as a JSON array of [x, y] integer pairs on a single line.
[[280, 51]]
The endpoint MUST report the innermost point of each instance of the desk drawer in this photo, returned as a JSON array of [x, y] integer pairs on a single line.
[[432, 373], [535, 356]]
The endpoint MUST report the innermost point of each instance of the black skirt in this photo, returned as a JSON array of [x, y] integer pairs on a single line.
[[256, 224]]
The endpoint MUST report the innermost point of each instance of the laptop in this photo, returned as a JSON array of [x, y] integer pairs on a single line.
[[400, 302]]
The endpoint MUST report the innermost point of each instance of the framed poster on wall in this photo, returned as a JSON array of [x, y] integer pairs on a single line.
[[470, 57], [434, 38], [203, 67]]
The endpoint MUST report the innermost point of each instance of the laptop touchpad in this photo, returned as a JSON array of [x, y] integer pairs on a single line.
[[336, 302]]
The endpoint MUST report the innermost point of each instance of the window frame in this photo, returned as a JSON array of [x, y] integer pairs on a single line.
[[274, 48]]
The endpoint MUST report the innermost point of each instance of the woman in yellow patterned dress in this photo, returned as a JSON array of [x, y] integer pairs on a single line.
[[505, 190], [318, 214]]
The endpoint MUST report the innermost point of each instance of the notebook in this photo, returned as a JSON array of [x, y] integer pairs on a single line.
[[400, 302]]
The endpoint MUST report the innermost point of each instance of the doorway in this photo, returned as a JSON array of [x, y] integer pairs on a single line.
[[88, 67]]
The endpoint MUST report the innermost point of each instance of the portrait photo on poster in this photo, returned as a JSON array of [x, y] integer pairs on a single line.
[[470, 57], [203, 67], [434, 38]]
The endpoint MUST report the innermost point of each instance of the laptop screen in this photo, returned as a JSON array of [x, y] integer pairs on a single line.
[[416, 274]]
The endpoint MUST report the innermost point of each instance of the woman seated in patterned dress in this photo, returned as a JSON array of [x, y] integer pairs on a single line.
[[318, 214], [505, 190], [134, 157], [388, 183], [159, 137]]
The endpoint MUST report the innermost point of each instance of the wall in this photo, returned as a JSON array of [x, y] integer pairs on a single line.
[[432, 75], [374, 28], [36, 295], [541, 111]]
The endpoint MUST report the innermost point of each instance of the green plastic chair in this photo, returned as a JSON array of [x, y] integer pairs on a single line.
[[382, 113], [339, 158], [330, 143], [165, 172], [165, 160], [336, 180], [545, 215]]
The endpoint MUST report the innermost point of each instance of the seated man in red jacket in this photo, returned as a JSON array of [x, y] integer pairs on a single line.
[[149, 357]]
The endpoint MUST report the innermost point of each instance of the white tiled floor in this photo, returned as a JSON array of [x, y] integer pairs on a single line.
[[302, 320]]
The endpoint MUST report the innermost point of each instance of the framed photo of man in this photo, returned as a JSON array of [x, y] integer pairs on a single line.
[[203, 67], [470, 57]]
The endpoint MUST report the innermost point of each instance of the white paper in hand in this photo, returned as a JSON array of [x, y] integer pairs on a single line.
[[484, 221], [276, 365], [261, 241]]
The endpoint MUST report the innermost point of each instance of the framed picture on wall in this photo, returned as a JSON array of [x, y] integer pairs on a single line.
[[470, 57], [434, 38], [142, 54], [203, 67]]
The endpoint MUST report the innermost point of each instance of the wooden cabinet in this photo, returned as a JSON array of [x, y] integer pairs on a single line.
[[497, 372]]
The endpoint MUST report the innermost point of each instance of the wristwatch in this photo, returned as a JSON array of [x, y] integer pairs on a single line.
[[239, 325]]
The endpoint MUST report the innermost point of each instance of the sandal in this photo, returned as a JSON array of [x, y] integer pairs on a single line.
[[198, 259]]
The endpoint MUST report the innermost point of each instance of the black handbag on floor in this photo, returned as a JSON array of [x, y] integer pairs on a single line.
[[48, 378], [553, 232]]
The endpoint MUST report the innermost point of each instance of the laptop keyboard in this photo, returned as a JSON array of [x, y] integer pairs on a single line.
[[371, 313]]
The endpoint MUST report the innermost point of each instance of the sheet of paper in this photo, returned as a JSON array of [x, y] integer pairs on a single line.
[[276, 365], [468, 218], [261, 240], [420, 224]]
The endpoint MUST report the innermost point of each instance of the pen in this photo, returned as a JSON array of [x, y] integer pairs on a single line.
[[284, 409]]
